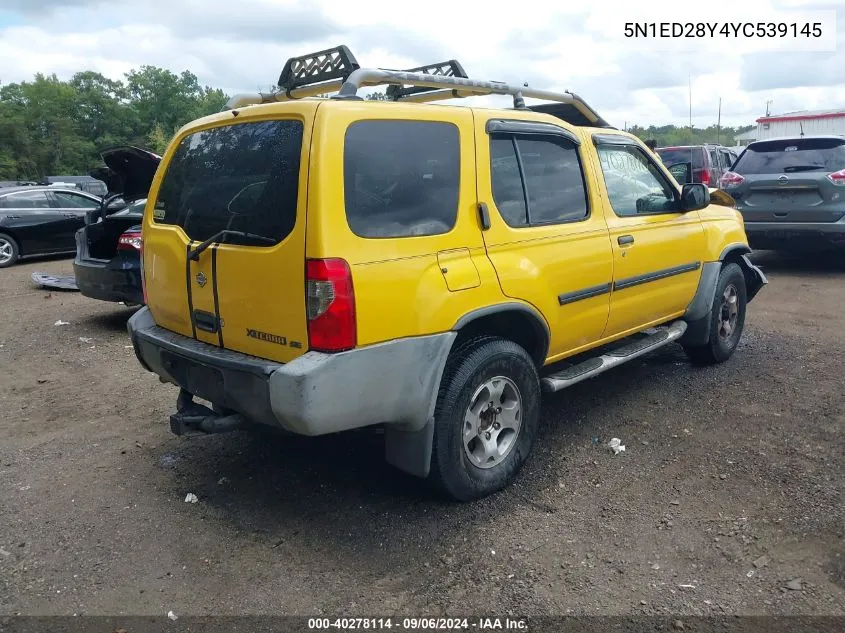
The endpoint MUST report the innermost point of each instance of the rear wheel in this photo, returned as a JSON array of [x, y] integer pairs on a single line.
[[9, 252], [727, 319], [486, 418]]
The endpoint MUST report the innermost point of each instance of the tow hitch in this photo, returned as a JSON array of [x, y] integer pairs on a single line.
[[193, 417]]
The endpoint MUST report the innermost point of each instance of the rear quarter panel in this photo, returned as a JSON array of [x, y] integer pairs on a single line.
[[400, 290]]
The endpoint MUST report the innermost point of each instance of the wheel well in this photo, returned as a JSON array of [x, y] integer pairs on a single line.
[[519, 326], [734, 256]]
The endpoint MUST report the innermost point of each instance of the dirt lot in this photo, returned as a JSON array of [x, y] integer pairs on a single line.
[[732, 486]]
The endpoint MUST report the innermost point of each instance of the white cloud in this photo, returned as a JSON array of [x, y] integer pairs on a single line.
[[242, 46]]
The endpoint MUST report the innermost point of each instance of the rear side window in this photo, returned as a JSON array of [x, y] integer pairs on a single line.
[[675, 155], [242, 177], [74, 201], [401, 178], [537, 180], [790, 156], [714, 160]]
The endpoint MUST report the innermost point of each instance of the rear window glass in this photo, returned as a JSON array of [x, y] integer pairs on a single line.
[[789, 156], [242, 177], [673, 156], [401, 178]]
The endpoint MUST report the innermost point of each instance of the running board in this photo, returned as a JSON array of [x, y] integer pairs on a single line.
[[608, 360]]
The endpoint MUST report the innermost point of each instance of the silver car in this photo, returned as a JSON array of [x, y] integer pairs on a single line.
[[791, 192]]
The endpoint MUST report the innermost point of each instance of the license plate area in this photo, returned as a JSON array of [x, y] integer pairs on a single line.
[[201, 380]]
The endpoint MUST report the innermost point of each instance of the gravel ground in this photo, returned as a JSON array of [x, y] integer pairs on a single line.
[[728, 499]]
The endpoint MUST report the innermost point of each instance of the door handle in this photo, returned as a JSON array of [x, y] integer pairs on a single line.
[[69, 215], [625, 239]]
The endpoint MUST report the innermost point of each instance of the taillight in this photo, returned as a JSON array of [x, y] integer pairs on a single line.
[[130, 240], [143, 276], [702, 176], [730, 179], [330, 304], [837, 177]]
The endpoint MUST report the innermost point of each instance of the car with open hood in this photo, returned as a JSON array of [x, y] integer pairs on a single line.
[[108, 262]]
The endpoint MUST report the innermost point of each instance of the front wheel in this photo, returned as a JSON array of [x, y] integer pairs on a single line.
[[727, 319], [486, 418]]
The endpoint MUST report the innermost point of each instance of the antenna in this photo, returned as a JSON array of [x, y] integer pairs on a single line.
[[689, 77], [719, 124]]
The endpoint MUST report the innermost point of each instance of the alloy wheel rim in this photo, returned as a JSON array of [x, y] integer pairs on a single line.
[[5, 251], [492, 422], [728, 313]]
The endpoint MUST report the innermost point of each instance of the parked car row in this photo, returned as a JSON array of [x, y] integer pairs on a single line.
[[697, 163]]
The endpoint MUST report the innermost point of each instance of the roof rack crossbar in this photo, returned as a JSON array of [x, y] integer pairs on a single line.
[[451, 68]]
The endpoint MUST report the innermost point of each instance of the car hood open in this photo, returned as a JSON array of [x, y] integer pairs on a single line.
[[129, 171]]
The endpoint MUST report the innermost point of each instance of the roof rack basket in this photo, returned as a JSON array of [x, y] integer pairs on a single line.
[[335, 70]]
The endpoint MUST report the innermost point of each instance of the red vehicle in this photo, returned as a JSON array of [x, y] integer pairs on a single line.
[[707, 162]]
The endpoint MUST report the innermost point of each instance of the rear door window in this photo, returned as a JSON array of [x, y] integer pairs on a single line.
[[242, 177], [791, 156], [68, 200], [676, 155], [545, 173], [401, 178]]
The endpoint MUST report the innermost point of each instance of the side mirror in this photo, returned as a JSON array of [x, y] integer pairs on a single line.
[[694, 196]]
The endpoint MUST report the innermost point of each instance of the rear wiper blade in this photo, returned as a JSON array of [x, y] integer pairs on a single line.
[[792, 168], [195, 254]]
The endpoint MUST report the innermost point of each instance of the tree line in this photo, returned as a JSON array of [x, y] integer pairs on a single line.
[[669, 135], [52, 127]]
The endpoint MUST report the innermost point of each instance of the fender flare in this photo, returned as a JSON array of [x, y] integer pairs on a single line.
[[409, 449]]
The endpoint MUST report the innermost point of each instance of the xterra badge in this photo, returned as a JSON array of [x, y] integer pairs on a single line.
[[201, 279], [270, 338]]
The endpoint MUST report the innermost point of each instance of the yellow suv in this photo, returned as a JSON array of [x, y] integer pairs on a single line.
[[326, 264]]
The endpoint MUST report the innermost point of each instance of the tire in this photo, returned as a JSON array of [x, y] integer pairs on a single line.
[[9, 251], [722, 340], [476, 371]]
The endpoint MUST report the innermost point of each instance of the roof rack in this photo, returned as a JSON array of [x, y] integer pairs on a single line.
[[337, 70]]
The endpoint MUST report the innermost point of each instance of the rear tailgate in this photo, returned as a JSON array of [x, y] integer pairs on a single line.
[[787, 180], [246, 174]]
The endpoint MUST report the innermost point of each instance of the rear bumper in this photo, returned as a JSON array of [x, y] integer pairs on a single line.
[[766, 233], [113, 280], [388, 383]]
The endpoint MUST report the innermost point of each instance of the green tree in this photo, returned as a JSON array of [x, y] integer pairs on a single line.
[[158, 139], [53, 127]]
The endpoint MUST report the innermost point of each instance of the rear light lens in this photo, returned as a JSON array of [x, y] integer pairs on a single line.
[[143, 276], [129, 241], [837, 177], [330, 304], [702, 176], [730, 179]]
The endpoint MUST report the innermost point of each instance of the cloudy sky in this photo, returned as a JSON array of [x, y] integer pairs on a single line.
[[241, 46]]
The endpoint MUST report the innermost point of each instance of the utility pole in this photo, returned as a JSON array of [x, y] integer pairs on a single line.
[[719, 124], [690, 101], [768, 103]]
